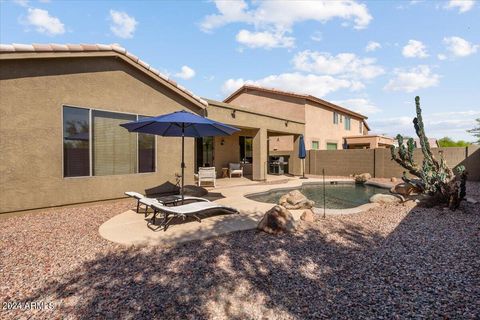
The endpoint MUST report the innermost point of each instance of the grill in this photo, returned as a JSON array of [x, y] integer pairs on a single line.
[[278, 165]]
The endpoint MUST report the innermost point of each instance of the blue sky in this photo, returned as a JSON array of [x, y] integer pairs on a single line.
[[372, 57]]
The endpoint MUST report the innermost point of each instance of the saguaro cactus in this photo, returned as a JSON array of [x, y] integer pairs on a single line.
[[435, 178]]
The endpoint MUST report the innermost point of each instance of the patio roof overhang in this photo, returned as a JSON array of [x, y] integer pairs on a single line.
[[243, 117]]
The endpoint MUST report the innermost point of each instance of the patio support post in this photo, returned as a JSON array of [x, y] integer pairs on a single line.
[[260, 154]]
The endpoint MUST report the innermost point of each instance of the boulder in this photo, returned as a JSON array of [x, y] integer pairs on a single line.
[[384, 198], [471, 200], [295, 200], [308, 216], [393, 179], [276, 220], [405, 189], [362, 178]]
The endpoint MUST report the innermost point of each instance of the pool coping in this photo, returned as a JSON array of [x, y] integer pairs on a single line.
[[320, 210]]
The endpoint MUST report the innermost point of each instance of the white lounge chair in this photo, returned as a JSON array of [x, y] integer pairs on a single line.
[[187, 210], [174, 200], [206, 174], [235, 169]]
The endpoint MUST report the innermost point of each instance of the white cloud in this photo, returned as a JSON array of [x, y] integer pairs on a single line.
[[437, 125], [461, 5], [372, 46], [273, 19], [318, 86], [317, 36], [186, 73], [413, 79], [23, 3], [282, 15], [441, 56], [44, 22], [460, 47], [264, 39], [231, 85], [123, 25], [360, 105], [347, 65], [415, 49]]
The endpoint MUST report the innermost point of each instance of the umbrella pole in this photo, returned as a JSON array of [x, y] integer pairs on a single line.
[[183, 159]]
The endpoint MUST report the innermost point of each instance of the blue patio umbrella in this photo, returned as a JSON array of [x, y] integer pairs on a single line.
[[180, 124], [302, 153]]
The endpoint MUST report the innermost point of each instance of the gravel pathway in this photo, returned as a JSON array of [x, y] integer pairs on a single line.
[[390, 262]]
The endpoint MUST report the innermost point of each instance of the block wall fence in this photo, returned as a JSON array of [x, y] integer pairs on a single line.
[[378, 162]]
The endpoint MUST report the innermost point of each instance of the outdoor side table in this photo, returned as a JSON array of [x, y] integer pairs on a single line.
[[224, 172]]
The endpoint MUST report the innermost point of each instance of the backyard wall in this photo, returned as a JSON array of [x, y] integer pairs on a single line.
[[378, 162]]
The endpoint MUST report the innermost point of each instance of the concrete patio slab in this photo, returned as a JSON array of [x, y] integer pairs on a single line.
[[131, 228]]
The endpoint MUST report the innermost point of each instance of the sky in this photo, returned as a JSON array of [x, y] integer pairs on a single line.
[[373, 57]]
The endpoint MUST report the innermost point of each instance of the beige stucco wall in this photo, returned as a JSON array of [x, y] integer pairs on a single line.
[[318, 119], [251, 124], [281, 143], [371, 142], [320, 127], [288, 107], [33, 92]]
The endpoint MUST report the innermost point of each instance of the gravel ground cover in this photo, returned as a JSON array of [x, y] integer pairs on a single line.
[[390, 262]]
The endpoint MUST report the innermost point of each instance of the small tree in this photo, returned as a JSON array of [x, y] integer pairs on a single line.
[[476, 131], [447, 142], [436, 179]]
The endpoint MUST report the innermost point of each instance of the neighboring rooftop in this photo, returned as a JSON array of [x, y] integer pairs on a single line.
[[66, 48], [248, 87]]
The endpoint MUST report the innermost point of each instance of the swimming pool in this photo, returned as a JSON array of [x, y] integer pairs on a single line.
[[338, 195]]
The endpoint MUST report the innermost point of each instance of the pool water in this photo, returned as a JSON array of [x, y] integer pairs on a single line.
[[338, 196]]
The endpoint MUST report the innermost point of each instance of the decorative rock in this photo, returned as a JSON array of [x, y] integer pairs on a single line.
[[295, 200], [276, 220], [362, 178], [308, 216], [405, 189], [471, 200], [384, 198], [393, 179]]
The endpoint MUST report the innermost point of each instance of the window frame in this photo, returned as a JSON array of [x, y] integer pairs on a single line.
[[335, 117], [318, 144], [331, 143], [90, 144], [348, 123], [244, 148]]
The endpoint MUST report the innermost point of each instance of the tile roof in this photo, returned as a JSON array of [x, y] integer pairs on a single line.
[[15, 47], [293, 94]]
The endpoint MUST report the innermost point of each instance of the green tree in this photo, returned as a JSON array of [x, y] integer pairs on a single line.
[[476, 131], [446, 142]]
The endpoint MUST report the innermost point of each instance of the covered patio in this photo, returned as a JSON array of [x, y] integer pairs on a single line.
[[249, 146]]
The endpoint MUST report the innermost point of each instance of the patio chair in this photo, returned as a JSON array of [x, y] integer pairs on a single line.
[[166, 200], [235, 169], [187, 210], [206, 174]]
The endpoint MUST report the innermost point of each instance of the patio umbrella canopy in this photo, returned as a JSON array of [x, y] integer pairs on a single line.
[[180, 124], [302, 153]]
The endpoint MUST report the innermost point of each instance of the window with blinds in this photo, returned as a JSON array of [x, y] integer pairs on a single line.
[[95, 137], [114, 148]]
